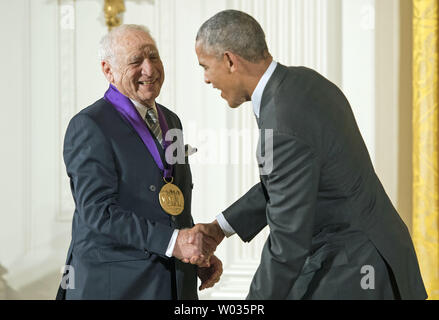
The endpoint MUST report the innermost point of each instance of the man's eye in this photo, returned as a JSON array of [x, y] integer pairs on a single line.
[[135, 62]]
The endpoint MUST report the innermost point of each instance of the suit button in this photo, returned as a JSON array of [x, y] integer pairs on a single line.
[[152, 188]]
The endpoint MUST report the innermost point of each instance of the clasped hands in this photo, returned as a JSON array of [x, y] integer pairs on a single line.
[[196, 246]]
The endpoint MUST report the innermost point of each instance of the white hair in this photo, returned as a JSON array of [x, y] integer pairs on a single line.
[[108, 42]]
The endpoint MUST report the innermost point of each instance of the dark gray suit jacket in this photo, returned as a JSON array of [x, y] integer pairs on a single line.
[[330, 219], [120, 232]]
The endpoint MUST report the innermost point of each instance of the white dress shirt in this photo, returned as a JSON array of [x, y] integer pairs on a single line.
[[256, 101], [143, 109], [259, 90]]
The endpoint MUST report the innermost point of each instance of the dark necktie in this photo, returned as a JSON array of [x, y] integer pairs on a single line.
[[153, 124]]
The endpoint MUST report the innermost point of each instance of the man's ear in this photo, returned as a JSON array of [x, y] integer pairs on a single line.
[[108, 73], [231, 61]]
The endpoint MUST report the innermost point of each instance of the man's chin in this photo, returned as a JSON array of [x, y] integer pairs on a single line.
[[151, 96], [145, 101], [234, 104]]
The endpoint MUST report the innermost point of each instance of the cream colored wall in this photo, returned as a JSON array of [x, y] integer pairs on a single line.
[[377, 81], [31, 236], [358, 69], [394, 103]]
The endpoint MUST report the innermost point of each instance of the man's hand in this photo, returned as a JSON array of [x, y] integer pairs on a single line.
[[212, 229], [194, 246], [211, 275]]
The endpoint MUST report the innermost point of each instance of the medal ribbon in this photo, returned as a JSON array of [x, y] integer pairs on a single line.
[[126, 108]]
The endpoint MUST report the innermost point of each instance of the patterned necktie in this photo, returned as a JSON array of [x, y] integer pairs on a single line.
[[153, 124]]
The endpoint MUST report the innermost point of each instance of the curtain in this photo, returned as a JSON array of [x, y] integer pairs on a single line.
[[425, 142]]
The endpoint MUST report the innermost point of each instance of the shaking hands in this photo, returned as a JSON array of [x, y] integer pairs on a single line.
[[196, 246]]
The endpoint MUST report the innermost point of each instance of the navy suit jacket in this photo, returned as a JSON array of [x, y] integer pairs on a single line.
[[120, 233]]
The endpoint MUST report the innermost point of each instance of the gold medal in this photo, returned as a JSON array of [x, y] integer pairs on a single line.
[[171, 198]]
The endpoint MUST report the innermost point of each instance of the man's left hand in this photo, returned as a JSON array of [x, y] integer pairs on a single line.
[[210, 275]]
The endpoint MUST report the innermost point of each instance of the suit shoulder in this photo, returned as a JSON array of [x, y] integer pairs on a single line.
[[302, 77], [102, 112], [100, 115], [86, 125], [295, 95], [97, 109], [302, 70], [305, 89], [309, 104]]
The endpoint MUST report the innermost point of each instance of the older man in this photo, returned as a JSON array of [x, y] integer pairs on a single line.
[[133, 208], [334, 233]]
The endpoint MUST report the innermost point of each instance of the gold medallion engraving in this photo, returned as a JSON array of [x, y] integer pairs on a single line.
[[171, 198]]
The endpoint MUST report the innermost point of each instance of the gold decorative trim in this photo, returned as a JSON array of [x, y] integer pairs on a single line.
[[113, 10], [426, 141]]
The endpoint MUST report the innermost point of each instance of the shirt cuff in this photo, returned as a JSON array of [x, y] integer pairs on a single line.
[[171, 245], [225, 226]]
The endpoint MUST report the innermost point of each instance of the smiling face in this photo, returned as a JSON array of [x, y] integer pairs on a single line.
[[221, 73], [136, 68]]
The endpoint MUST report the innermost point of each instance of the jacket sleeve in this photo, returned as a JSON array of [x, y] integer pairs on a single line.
[[292, 188], [91, 167], [247, 216]]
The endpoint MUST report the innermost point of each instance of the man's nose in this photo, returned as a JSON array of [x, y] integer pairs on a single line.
[[206, 80], [147, 67]]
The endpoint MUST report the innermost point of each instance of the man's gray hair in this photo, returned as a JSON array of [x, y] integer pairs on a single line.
[[233, 31], [108, 42]]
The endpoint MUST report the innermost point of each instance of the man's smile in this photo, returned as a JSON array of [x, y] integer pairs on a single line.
[[147, 82]]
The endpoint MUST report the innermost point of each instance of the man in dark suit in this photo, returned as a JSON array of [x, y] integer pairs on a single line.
[[334, 233], [127, 237]]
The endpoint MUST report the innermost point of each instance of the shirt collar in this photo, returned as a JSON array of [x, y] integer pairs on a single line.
[[143, 109], [257, 94]]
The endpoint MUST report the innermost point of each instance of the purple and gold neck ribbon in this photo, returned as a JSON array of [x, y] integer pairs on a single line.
[[126, 108]]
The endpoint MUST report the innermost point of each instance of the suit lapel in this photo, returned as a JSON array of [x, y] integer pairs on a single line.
[[171, 125], [113, 109], [267, 111], [267, 101]]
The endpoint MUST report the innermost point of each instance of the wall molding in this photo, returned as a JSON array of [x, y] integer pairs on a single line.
[[27, 142], [165, 26], [67, 95]]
